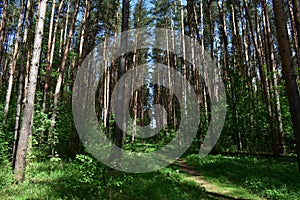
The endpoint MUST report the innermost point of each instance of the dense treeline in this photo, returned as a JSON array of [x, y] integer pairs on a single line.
[[255, 44]]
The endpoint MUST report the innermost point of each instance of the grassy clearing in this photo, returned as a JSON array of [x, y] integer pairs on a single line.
[[69, 180], [225, 190], [84, 178], [269, 178]]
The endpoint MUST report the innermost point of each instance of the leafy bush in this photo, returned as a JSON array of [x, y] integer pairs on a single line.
[[6, 175]]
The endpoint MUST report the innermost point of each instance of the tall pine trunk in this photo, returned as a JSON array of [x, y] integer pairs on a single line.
[[2, 30], [25, 45], [288, 70], [20, 166], [50, 53], [60, 78], [118, 133], [13, 66]]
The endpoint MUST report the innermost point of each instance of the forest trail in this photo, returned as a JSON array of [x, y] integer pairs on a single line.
[[215, 191]]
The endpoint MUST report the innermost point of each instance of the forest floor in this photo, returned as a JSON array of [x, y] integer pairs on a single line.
[[244, 177], [190, 178], [224, 192]]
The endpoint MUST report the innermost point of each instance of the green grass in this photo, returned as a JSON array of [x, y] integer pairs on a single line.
[[164, 184], [74, 180], [84, 178], [270, 178]]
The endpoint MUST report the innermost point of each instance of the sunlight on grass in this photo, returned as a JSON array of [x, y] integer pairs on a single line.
[[238, 177], [269, 178], [53, 180]]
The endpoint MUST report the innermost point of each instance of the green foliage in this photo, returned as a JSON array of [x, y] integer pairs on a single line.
[[53, 177], [4, 147], [6, 175], [150, 144], [64, 131], [6, 138], [286, 120], [41, 123], [90, 174], [98, 178]]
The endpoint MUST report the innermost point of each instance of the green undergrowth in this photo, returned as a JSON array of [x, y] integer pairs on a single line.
[[86, 178], [267, 177]]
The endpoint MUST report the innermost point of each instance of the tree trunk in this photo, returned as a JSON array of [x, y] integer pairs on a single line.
[[296, 9], [229, 75], [20, 166], [264, 82], [2, 30], [288, 70], [294, 30], [134, 60], [50, 53], [25, 45], [277, 137], [13, 66], [118, 132], [60, 77], [113, 77]]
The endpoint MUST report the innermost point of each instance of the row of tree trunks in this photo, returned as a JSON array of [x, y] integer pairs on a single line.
[[60, 78], [255, 47], [277, 136], [13, 64], [50, 52], [277, 146]]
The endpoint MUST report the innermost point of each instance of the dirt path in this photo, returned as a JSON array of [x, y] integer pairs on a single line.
[[212, 190]]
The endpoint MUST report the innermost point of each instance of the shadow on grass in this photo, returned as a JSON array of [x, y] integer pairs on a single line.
[[267, 177], [68, 181]]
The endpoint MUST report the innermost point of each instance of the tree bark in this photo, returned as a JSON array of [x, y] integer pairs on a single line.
[[135, 60], [25, 45], [118, 132], [277, 136], [13, 66], [257, 42], [296, 10], [228, 75], [288, 70], [294, 30], [50, 53], [60, 77], [19, 171], [2, 30]]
